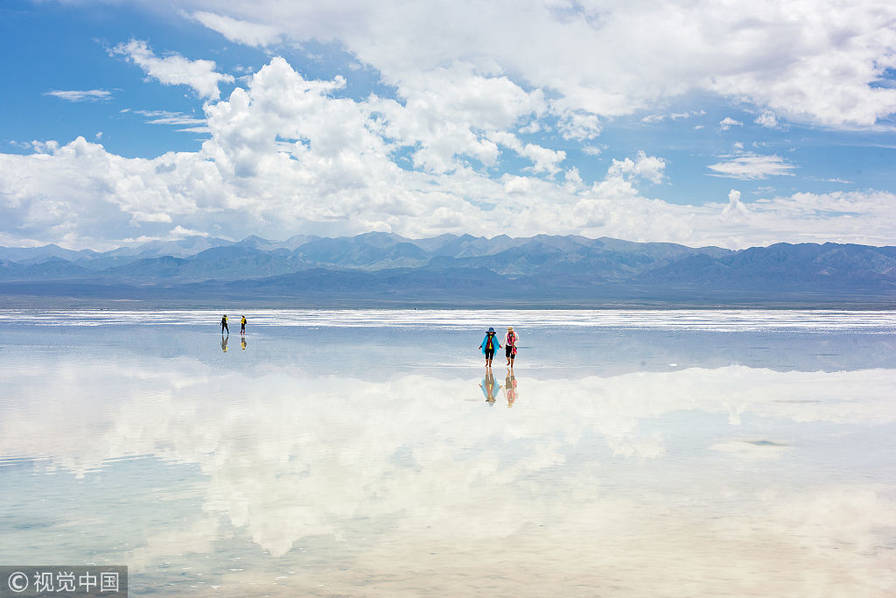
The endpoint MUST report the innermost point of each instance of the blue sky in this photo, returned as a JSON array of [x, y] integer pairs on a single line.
[[126, 122]]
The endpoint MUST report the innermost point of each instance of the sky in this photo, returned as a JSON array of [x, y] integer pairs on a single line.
[[728, 123]]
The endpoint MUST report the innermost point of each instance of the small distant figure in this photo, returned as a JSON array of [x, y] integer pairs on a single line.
[[489, 345], [224, 326], [224, 340], [510, 388], [242, 325], [489, 387], [510, 345], [243, 343]]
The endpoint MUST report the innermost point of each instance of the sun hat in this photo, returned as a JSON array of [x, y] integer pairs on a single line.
[[490, 329]]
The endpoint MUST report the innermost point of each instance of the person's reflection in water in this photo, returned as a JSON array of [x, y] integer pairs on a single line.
[[489, 387], [243, 343], [224, 340], [510, 388]]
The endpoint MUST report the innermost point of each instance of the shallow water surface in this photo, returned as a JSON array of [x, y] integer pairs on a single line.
[[369, 453]]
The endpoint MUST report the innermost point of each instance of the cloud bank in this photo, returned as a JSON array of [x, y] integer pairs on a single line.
[[285, 155], [814, 61]]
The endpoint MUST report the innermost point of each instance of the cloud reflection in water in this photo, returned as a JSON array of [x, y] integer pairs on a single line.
[[640, 481]]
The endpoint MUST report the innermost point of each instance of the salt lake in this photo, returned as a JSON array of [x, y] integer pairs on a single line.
[[370, 453]]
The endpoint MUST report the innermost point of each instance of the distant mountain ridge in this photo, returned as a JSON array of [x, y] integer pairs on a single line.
[[384, 266]]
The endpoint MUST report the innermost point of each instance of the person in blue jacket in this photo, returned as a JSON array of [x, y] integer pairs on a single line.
[[489, 345]]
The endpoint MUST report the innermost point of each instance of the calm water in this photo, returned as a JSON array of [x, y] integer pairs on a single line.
[[364, 453]]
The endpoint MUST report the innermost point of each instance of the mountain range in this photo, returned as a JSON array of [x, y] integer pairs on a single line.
[[383, 268]]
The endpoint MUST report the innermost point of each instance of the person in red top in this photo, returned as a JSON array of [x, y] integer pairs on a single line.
[[510, 345]]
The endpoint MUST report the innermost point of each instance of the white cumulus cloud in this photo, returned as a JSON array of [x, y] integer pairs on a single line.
[[647, 167], [735, 207], [728, 122], [767, 119], [175, 69]]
